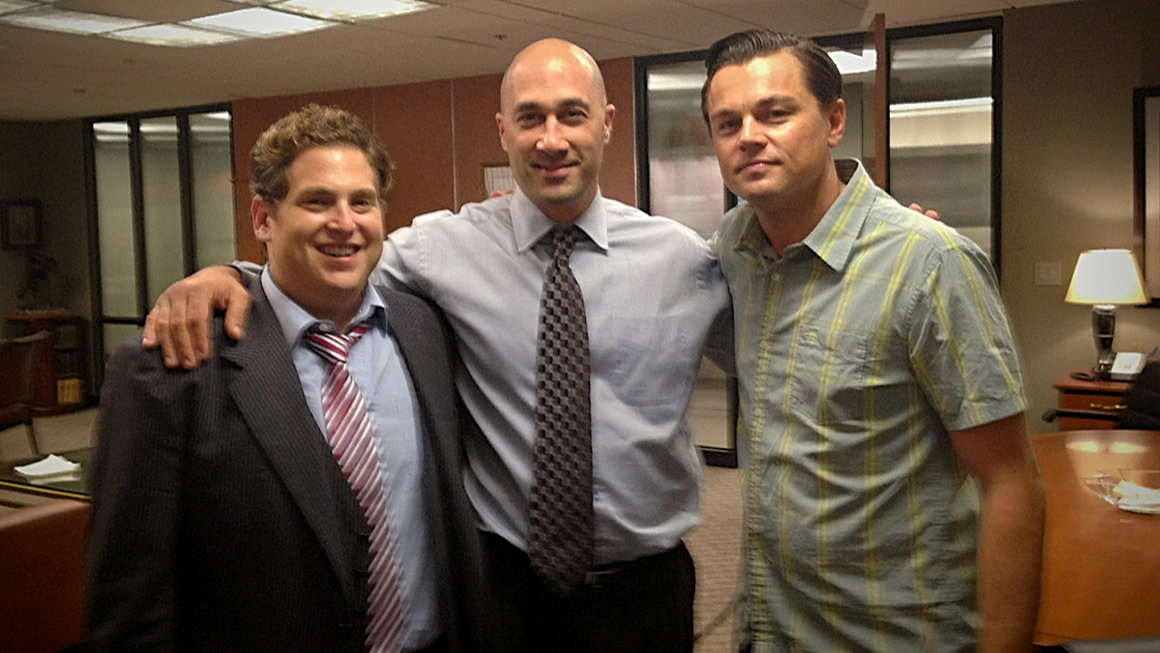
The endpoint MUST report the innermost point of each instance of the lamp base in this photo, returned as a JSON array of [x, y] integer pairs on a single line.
[[1103, 367], [1103, 331]]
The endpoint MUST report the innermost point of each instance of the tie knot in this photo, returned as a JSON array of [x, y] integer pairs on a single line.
[[334, 347], [562, 240]]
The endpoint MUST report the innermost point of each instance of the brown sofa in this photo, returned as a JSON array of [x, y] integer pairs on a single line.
[[41, 573]]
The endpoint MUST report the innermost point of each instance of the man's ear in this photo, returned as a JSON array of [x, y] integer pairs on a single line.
[[837, 119], [260, 215], [502, 131], [609, 114]]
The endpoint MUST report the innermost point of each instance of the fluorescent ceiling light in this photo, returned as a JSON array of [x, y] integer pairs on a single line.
[[173, 36], [675, 81], [73, 22], [15, 5], [351, 10], [258, 21], [942, 107], [849, 63]]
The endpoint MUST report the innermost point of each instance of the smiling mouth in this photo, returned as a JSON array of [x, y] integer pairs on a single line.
[[338, 251], [552, 168], [751, 165]]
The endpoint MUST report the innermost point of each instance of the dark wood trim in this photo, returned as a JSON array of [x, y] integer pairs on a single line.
[[719, 457], [185, 188], [1139, 198]]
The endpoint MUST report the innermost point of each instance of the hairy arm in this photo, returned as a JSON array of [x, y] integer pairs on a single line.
[[999, 456], [179, 321]]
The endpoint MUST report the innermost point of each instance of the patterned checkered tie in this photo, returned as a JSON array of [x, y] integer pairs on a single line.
[[560, 523], [352, 441]]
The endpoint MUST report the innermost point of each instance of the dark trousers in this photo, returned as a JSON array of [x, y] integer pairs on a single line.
[[643, 606]]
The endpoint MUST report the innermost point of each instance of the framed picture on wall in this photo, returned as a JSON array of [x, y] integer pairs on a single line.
[[20, 224]]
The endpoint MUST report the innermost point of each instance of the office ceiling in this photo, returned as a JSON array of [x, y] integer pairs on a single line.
[[47, 76]]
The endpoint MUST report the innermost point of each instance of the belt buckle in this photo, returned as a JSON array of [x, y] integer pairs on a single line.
[[601, 578]]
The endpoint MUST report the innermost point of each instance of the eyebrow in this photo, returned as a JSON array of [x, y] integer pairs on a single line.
[[763, 103], [567, 102]]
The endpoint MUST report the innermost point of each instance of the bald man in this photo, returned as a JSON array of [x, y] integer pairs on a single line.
[[652, 299]]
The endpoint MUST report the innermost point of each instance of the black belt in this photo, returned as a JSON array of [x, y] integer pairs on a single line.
[[605, 575]]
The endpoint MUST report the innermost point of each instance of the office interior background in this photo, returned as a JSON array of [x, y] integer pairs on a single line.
[[96, 133]]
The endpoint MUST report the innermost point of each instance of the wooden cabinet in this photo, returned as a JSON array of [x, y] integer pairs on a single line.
[[1105, 396], [60, 365]]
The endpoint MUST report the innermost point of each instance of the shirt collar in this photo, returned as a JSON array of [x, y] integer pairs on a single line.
[[294, 319], [832, 240], [531, 224]]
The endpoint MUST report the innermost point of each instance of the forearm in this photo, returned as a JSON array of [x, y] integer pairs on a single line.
[[1009, 563]]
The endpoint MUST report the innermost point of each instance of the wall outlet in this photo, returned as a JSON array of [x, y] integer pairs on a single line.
[[1048, 273]]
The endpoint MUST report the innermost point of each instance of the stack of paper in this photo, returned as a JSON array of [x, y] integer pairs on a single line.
[[51, 468]]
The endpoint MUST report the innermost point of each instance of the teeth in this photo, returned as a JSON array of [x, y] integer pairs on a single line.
[[338, 251]]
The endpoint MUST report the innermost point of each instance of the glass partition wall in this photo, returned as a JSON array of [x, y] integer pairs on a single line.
[[942, 97], [163, 208]]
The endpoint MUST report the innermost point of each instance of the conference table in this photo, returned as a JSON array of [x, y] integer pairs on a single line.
[[1101, 564]]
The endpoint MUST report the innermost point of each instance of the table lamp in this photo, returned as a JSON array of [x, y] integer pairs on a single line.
[[1105, 278]]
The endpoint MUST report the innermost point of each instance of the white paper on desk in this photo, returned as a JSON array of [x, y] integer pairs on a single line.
[[51, 466]]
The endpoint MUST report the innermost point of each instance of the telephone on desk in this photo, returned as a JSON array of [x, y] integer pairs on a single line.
[[1127, 366]]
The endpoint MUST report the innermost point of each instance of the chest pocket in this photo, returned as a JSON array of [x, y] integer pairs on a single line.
[[827, 386], [649, 360]]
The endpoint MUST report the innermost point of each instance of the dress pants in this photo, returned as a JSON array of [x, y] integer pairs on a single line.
[[641, 606]]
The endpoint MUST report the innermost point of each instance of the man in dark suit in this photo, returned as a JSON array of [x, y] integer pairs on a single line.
[[222, 520]]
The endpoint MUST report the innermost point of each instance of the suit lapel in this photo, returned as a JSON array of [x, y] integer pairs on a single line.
[[269, 394]]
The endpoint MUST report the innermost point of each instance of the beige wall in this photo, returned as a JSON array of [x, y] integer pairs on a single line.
[[1068, 75], [45, 162]]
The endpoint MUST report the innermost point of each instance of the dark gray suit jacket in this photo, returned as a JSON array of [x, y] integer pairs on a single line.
[[221, 521]]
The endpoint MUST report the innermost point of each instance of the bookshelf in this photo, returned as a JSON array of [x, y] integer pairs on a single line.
[[61, 364]]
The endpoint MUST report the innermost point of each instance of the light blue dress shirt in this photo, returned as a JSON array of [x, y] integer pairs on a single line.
[[654, 297], [376, 365]]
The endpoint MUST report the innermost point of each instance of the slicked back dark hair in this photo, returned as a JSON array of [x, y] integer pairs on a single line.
[[821, 75]]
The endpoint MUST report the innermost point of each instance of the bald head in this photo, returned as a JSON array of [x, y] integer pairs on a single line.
[[554, 122], [551, 56]]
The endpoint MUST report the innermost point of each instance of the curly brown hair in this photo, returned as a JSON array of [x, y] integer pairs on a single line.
[[312, 126]]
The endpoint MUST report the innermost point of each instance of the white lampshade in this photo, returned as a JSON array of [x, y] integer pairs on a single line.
[[1106, 276]]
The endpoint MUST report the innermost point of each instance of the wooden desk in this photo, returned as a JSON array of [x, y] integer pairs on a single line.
[[1101, 565], [1088, 395]]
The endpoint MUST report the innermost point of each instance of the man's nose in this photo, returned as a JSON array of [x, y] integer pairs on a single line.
[[552, 138], [342, 217], [751, 131]]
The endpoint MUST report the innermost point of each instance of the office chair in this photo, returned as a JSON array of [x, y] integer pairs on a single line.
[[1141, 409], [18, 366]]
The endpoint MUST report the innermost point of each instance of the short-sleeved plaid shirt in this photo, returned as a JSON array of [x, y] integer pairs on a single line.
[[857, 350]]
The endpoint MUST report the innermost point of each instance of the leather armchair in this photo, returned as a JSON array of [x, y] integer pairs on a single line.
[[43, 576], [1129, 645]]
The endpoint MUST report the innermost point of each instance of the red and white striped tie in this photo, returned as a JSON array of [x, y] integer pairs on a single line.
[[352, 441]]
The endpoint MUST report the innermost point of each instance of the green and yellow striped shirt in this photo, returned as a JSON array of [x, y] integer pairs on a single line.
[[857, 350]]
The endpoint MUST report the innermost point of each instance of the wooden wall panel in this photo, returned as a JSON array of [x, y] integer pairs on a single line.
[[414, 122], [618, 174], [440, 135], [476, 101]]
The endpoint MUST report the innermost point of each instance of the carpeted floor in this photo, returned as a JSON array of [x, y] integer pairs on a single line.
[[716, 549], [714, 544]]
